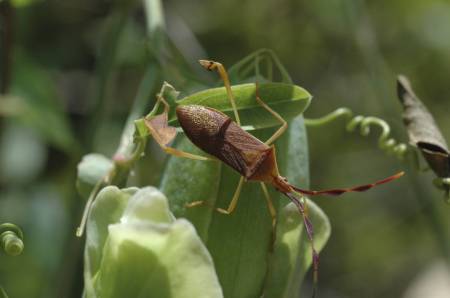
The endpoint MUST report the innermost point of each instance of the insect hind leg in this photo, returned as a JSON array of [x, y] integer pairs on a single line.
[[231, 206], [283, 122], [234, 200]]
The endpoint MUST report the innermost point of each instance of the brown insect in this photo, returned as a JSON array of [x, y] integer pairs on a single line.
[[218, 135]]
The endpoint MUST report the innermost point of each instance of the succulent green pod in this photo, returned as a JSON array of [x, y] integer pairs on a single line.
[[136, 248]]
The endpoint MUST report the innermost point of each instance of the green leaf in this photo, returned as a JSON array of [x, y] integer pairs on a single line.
[[91, 169], [292, 253], [240, 244], [286, 99], [136, 248]]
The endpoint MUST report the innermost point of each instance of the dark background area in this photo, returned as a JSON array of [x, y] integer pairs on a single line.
[[346, 53]]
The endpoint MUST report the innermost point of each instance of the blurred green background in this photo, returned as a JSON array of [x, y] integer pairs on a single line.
[[71, 69]]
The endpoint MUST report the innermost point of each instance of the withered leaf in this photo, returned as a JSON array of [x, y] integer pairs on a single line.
[[422, 130], [159, 129]]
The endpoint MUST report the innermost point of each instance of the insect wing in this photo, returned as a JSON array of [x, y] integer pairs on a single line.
[[242, 151]]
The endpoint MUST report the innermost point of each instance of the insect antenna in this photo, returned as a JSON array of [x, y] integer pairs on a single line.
[[310, 233], [339, 191]]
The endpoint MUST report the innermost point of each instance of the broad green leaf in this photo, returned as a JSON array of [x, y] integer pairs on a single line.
[[136, 248], [188, 180], [286, 99], [292, 252], [240, 244]]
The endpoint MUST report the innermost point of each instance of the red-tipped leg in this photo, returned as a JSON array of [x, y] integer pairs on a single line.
[[310, 233], [339, 191]]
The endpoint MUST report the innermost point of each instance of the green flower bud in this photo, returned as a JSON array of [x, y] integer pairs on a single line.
[[91, 169]]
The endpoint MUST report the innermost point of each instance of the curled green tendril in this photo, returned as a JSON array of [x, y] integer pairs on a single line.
[[389, 145], [11, 239]]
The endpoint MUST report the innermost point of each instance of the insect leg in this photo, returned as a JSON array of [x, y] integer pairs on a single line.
[[272, 211], [284, 124], [161, 99], [234, 200], [194, 204], [211, 65], [163, 134], [179, 153], [301, 206], [232, 205]]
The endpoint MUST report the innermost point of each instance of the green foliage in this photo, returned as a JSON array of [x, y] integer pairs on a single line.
[[287, 99], [292, 253], [244, 258], [76, 67], [136, 248], [240, 244]]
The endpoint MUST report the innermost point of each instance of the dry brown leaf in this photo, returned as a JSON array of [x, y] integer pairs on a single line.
[[422, 129], [160, 130]]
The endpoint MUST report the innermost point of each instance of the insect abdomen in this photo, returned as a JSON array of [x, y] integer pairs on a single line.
[[216, 134]]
